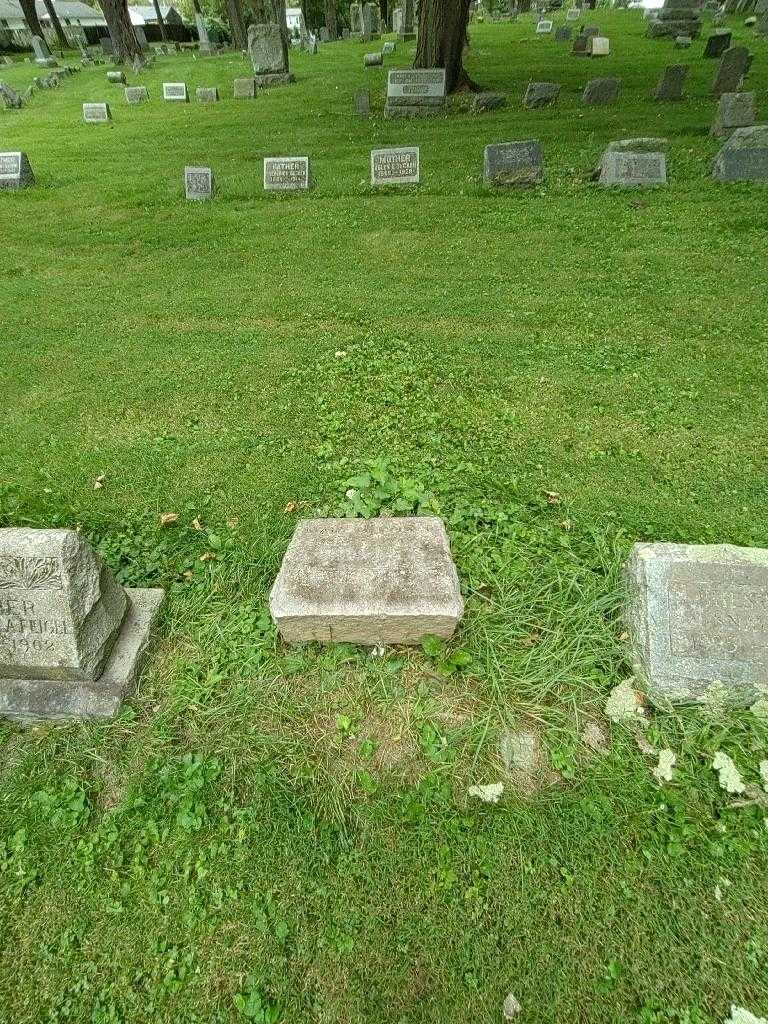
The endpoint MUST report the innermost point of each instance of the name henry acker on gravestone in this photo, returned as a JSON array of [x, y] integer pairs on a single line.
[[633, 170], [698, 620], [395, 166], [513, 163], [96, 113], [198, 182], [15, 171], [71, 638], [367, 581], [415, 92], [286, 173]]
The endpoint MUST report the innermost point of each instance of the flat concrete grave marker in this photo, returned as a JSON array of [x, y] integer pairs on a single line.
[[388, 48], [207, 94], [734, 110], [96, 113], [670, 85], [540, 94], [367, 581], [513, 163], [698, 620], [15, 171], [601, 92], [718, 43], [395, 166], [198, 182], [598, 46], [136, 94], [573, 14], [633, 170], [483, 101], [116, 77], [176, 92], [744, 157], [286, 173], [415, 92], [372, 60], [544, 27], [71, 638], [683, 42], [244, 88]]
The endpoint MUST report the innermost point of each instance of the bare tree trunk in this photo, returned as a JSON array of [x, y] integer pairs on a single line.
[[331, 22], [237, 24], [31, 18], [383, 7], [442, 37], [56, 24], [124, 41], [160, 22]]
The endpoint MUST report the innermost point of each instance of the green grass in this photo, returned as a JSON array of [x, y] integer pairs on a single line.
[[285, 833]]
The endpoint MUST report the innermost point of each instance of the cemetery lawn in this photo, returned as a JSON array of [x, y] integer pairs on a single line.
[[284, 835]]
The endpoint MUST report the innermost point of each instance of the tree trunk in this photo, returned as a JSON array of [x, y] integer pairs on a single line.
[[442, 37], [331, 22], [56, 24], [384, 8], [237, 24], [160, 22], [124, 41], [31, 18]]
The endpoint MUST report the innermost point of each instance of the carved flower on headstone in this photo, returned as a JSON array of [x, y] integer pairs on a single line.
[[29, 573]]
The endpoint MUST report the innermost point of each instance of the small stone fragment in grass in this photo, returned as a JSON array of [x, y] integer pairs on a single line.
[[663, 770], [490, 794], [625, 704], [729, 776], [594, 736], [511, 1007], [741, 1016]]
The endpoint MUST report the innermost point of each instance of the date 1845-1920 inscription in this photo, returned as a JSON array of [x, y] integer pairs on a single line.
[[708, 619]]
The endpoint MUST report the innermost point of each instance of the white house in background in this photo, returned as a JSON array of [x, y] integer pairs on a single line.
[[294, 19], [78, 20], [148, 15]]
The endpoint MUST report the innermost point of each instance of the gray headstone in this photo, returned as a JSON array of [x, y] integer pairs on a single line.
[[671, 83], [395, 166], [11, 99], [372, 60], [580, 43], [116, 77], [733, 66], [269, 54], [482, 101], [601, 92], [563, 34], [363, 102], [744, 157], [682, 42], [141, 37], [286, 173], [698, 620], [207, 94], [325, 35], [71, 637], [573, 14], [717, 44], [415, 92], [244, 88], [356, 19], [43, 57], [644, 144], [175, 92], [544, 27], [367, 581], [96, 113], [136, 94], [107, 46], [388, 48], [513, 163], [734, 110], [198, 182], [633, 170], [15, 171], [540, 94]]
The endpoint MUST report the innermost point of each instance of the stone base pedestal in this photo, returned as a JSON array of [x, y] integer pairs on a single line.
[[413, 110], [264, 81], [44, 700]]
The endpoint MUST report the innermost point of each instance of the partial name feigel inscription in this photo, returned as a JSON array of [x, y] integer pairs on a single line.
[[717, 619]]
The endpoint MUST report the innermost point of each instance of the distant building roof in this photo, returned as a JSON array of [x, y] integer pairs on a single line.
[[149, 17], [71, 10]]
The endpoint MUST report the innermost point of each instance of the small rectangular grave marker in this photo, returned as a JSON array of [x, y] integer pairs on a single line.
[[633, 170], [415, 92], [245, 88], [207, 94], [116, 77], [96, 113], [513, 163], [198, 182], [286, 173], [15, 171], [598, 46], [373, 60], [544, 27], [573, 14], [175, 91], [395, 166], [363, 103], [136, 94]]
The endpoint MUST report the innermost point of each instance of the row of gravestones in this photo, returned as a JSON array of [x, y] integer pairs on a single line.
[[73, 640]]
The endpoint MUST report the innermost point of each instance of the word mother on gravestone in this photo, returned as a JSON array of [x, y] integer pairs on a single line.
[[15, 171], [417, 92], [286, 173], [698, 620], [395, 166], [198, 182], [71, 638]]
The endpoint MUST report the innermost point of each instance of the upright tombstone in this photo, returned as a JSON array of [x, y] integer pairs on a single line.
[[508, 164], [744, 157], [244, 88], [670, 85], [107, 46], [601, 92], [408, 27], [207, 94], [10, 98], [734, 110], [286, 173], [417, 92], [15, 172], [369, 23], [395, 166], [43, 56], [388, 48], [71, 638], [573, 14], [697, 618], [116, 77], [598, 46], [373, 60], [633, 170], [733, 66], [718, 43], [175, 92], [269, 55], [540, 94], [356, 19], [580, 44], [397, 20], [675, 18], [136, 94], [325, 35], [198, 183], [141, 37], [96, 113], [367, 581], [644, 144], [363, 102], [204, 47]]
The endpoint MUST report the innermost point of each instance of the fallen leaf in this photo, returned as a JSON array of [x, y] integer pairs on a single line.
[[625, 704], [553, 498], [98, 483], [531, 640], [196, 524], [233, 522], [188, 575], [291, 507], [169, 518], [511, 1007]]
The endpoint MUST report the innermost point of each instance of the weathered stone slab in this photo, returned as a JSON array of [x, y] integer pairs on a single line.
[[286, 173], [198, 183], [633, 170], [580, 43], [96, 113], [136, 94], [482, 101], [416, 86], [116, 77], [395, 166], [540, 94], [670, 85], [388, 48], [598, 46], [175, 92], [513, 163], [733, 66], [244, 88], [563, 34], [15, 171], [573, 14], [601, 92], [207, 94], [367, 581], [11, 100], [734, 110], [363, 103], [373, 60], [107, 46], [43, 57], [683, 42], [718, 43], [637, 145], [269, 54], [744, 157], [544, 27], [698, 620]]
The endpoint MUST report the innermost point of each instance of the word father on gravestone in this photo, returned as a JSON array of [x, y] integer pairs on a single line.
[[286, 173], [395, 166]]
